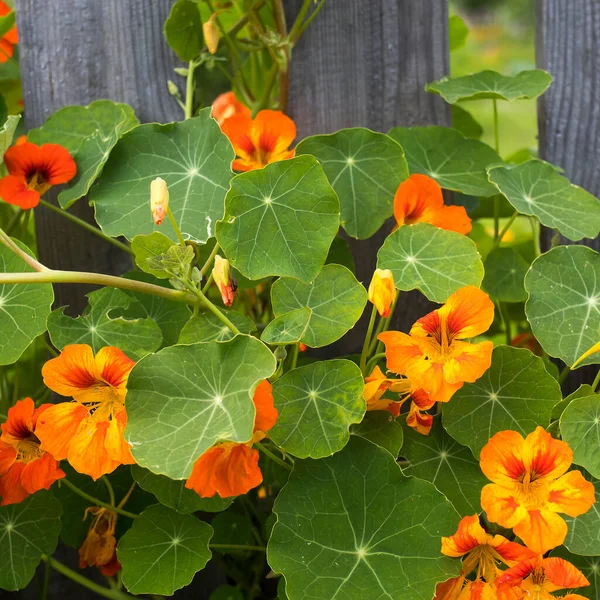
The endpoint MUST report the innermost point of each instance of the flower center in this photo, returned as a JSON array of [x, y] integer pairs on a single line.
[[28, 450], [37, 180]]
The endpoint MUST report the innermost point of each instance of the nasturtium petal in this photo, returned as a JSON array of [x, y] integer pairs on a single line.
[[352, 526], [455, 162], [563, 307], [335, 298], [173, 493], [23, 307], [589, 566], [193, 157], [505, 271], [206, 327], [492, 85], [317, 404], [183, 29], [515, 393], [435, 261], [183, 399], [444, 462], [150, 246], [580, 428], [382, 429], [89, 133], [365, 169], [28, 530], [583, 536], [535, 188], [103, 324], [163, 551], [280, 220], [289, 328]]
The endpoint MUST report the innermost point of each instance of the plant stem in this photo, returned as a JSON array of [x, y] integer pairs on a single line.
[[376, 345], [564, 374], [506, 322], [498, 239], [271, 79], [47, 571], [535, 233], [32, 262], [374, 360], [126, 496], [237, 547], [299, 19], [308, 21], [114, 594], [497, 147], [175, 226], [189, 92], [213, 309], [208, 284], [367, 342], [596, 381], [13, 221], [109, 487], [210, 259], [295, 351], [90, 228], [272, 456], [97, 501]]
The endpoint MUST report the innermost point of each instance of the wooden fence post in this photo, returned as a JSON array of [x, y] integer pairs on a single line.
[[74, 53], [366, 64], [568, 46]]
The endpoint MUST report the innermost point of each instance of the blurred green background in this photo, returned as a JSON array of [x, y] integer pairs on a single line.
[[500, 38]]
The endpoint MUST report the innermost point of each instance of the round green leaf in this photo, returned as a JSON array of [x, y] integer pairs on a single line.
[[289, 328], [183, 399], [335, 298], [102, 324], [463, 121], [352, 526], [455, 162], [445, 463], [206, 327], [193, 157], [580, 428], [89, 133], [535, 188], [174, 494], [380, 428], [183, 29], [317, 404], [457, 32], [589, 566], [505, 271], [365, 169], [151, 246], [23, 307], [435, 261], [581, 392], [583, 536], [7, 132], [516, 393], [492, 85], [27, 530], [564, 302], [280, 220], [163, 551]]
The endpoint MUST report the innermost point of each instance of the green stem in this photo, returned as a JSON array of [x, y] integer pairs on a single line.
[[271, 79], [189, 92], [535, 233], [497, 147], [555, 240], [506, 322], [13, 221], [237, 547], [297, 26], [97, 501], [10, 244], [564, 374], [208, 283], [596, 381], [367, 342], [84, 581], [47, 571], [272, 456], [90, 228], [308, 21], [384, 325], [109, 487], [295, 351], [175, 226], [374, 360], [210, 260], [498, 239], [213, 309]]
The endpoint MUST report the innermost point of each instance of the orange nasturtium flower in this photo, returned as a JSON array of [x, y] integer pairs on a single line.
[[226, 106], [24, 467], [531, 485], [98, 548], [33, 170], [483, 553], [419, 200], [231, 469], [9, 39], [260, 141], [538, 577], [382, 291], [88, 432], [434, 356]]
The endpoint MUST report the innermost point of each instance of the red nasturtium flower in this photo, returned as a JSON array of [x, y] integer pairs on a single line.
[[33, 170], [24, 467], [260, 141], [483, 553], [9, 39], [88, 432], [531, 486], [226, 106], [539, 577], [419, 199], [382, 291], [434, 356], [99, 546], [231, 469]]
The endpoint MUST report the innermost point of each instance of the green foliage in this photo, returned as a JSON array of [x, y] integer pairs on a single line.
[[465, 123], [505, 271], [206, 327], [380, 428], [457, 32], [152, 246], [183, 29], [580, 428]]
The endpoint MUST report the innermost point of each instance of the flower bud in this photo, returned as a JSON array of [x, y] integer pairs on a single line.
[[98, 548], [226, 284], [382, 291], [211, 34], [159, 199]]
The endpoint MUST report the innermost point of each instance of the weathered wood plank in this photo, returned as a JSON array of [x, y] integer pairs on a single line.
[[366, 64], [76, 54]]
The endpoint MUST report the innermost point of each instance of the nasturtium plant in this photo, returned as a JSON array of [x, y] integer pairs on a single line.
[[314, 357]]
